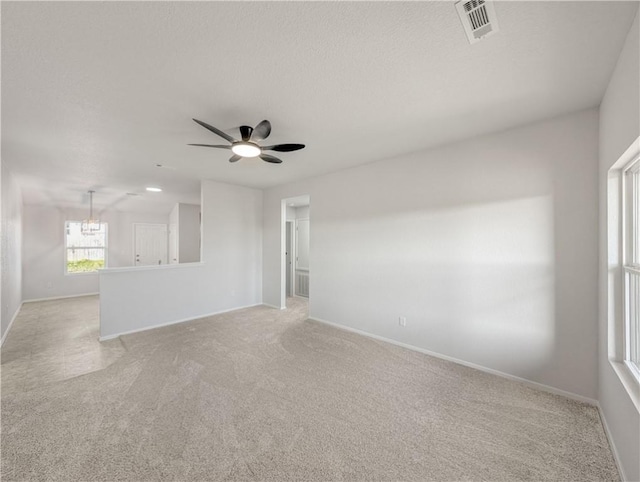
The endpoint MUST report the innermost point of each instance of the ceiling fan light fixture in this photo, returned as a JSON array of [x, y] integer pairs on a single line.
[[248, 146], [246, 149]]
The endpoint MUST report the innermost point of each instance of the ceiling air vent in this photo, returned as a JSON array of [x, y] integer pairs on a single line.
[[478, 19]]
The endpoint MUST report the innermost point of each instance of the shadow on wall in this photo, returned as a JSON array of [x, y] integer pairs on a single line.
[[475, 282], [487, 247]]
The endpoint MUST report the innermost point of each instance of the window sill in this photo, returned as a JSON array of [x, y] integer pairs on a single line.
[[628, 380]]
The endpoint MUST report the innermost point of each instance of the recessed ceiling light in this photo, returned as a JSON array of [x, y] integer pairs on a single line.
[[154, 189]]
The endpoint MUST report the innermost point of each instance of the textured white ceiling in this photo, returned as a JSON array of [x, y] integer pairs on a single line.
[[94, 94]]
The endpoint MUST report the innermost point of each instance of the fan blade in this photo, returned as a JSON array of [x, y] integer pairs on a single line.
[[224, 135], [245, 132], [261, 131], [268, 158], [235, 158], [209, 145], [284, 147]]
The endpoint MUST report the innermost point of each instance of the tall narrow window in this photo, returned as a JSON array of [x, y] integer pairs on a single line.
[[84, 253], [631, 226]]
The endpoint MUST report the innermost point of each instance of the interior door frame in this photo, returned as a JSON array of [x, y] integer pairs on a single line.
[[283, 248]]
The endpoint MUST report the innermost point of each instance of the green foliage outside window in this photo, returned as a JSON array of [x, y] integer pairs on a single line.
[[84, 265]]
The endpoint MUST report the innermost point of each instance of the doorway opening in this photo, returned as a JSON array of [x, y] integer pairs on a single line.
[[296, 231]]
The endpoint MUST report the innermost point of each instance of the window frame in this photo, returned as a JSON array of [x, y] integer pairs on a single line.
[[630, 218], [67, 248]]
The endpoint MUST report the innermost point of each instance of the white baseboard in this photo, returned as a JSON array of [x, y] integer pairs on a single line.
[[60, 297], [541, 386], [175, 322], [274, 306], [15, 315], [614, 451]]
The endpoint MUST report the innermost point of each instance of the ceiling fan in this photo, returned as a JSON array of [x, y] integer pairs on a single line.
[[248, 146]]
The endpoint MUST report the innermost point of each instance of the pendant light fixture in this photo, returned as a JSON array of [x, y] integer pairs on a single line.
[[90, 225]]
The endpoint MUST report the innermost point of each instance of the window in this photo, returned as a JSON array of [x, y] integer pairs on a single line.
[[631, 261], [84, 253]]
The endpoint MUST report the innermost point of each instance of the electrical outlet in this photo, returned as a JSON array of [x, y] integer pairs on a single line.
[[402, 321], [49, 285]]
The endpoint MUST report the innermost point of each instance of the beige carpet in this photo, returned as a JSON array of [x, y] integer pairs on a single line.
[[262, 394]]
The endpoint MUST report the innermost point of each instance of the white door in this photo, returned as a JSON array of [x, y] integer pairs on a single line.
[[289, 257], [173, 243], [302, 258], [302, 244], [150, 244], [173, 235]]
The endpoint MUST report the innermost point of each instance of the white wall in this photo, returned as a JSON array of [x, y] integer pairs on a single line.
[[486, 246], [302, 212], [43, 249], [229, 276], [188, 233], [10, 249], [619, 127]]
